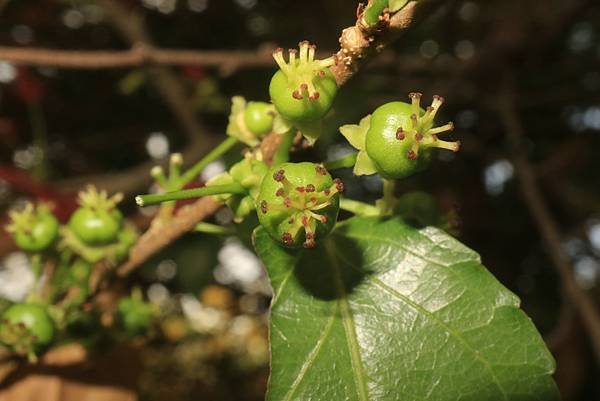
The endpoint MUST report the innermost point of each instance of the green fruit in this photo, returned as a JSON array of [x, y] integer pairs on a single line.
[[401, 136], [135, 316], [303, 89], [33, 229], [298, 203], [98, 221], [26, 327], [258, 118], [96, 227]]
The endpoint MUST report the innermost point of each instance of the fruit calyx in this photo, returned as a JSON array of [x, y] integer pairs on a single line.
[[24, 220], [301, 69], [98, 200], [19, 337], [422, 133]]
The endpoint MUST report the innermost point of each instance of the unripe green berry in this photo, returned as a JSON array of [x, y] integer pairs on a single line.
[[303, 89], [298, 203], [401, 136], [96, 227], [258, 117], [34, 229], [26, 328], [98, 221], [135, 315]]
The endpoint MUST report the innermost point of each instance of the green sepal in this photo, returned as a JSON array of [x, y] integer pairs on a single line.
[[281, 125], [241, 207], [356, 134], [311, 131], [112, 253], [236, 127], [249, 174], [364, 165]]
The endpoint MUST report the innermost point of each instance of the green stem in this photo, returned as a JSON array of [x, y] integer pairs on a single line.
[[359, 208], [36, 268], [213, 155], [36, 265], [374, 10], [282, 154], [387, 204], [152, 199], [208, 228], [346, 161]]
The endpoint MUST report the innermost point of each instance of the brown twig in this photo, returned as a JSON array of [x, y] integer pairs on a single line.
[[358, 43], [226, 61], [49, 270], [131, 27], [160, 235], [136, 56], [546, 224]]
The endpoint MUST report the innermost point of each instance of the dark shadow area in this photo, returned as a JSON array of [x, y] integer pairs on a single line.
[[321, 272]]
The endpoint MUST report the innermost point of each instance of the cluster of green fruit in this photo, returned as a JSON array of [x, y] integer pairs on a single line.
[[96, 223], [95, 232], [297, 203]]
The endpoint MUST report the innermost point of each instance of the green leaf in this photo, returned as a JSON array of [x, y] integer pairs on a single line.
[[383, 311], [357, 134]]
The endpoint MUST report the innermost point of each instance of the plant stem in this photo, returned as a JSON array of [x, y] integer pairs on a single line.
[[282, 154], [346, 161], [36, 265], [213, 229], [213, 155], [359, 208], [388, 200], [152, 199], [373, 11]]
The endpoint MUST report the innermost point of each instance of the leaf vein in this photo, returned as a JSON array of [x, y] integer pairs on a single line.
[[431, 316], [443, 324], [310, 359], [348, 322]]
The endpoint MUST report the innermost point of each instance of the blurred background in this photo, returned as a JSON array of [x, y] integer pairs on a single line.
[[521, 80]]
